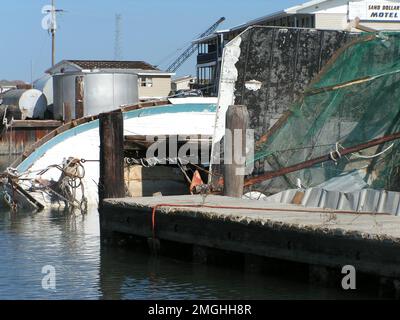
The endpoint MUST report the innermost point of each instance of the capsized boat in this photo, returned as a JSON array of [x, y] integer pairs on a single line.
[[73, 151]]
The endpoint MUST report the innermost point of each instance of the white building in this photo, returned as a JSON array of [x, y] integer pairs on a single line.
[[336, 15], [182, 83]]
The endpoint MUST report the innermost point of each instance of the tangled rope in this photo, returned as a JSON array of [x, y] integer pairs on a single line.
[[70, 181], [65, 189]]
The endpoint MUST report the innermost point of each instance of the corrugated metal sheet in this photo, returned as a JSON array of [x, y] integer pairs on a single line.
[[347, 182], [366, 200]]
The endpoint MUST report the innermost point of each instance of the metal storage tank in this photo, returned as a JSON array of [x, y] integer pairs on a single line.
[[82, 94], [32, 102], [45, 84]]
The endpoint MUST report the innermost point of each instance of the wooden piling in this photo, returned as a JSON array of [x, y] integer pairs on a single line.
[[111, 184], [237, 118], [79, 97]]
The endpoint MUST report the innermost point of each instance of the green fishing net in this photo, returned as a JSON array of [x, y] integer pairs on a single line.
[[354, 99]]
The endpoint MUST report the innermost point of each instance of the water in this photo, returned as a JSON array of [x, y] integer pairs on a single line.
[[84, 270]]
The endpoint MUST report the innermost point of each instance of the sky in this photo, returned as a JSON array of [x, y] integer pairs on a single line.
[[155, 31]]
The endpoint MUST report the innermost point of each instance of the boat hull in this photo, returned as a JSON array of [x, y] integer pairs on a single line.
[[82, 142]]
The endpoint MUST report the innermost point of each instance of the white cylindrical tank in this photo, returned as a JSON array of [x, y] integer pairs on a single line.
[[45, 84], [32, 102]]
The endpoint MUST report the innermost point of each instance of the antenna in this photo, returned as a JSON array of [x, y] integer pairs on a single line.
[[118, 37], [52, 27]]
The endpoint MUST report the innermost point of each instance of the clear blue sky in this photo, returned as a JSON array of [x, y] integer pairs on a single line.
[[151, 29]]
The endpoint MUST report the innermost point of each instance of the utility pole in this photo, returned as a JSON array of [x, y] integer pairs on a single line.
[[53, 29], [53, 33]]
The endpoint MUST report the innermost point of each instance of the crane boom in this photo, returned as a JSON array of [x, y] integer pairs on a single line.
[[192, 47]]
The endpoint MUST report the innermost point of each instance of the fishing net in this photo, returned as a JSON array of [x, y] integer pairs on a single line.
[[354, 99]]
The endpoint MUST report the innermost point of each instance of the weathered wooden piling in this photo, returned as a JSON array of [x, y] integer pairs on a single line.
[[111, 183], [79, 97], [237, 119]]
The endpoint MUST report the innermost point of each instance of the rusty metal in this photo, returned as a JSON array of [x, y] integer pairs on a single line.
[[21, 134]]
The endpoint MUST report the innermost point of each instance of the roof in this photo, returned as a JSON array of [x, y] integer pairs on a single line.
[[103, 65], [156, 73], [258, 20], [112, 64], [274, 15], [288, 11], [183, 78], [206, 38], [11, 83]]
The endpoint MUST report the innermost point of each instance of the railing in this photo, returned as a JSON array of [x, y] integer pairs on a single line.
[[207, 57]]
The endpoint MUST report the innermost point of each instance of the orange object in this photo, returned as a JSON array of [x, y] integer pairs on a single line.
[[196, 181]]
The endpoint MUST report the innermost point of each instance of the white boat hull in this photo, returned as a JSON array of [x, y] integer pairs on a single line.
[[82, 142]]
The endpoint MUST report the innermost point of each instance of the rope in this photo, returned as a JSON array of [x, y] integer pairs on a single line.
[[335, 155], [71, 179], [5, 122], [358, 155]]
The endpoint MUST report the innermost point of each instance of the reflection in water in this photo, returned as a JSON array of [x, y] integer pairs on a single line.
[[30, 241], [71, 244]]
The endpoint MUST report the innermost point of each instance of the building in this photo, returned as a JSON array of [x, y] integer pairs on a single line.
[[318, 14], [6, 85], [152, 83], [183, 83]]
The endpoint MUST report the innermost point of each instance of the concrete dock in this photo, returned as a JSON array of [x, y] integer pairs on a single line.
[[318, 238]]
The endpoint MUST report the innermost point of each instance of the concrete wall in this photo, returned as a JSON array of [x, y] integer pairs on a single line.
[[161, 87], [284, 61]]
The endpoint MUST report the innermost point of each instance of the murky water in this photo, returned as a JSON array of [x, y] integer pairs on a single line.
[[71, 244]]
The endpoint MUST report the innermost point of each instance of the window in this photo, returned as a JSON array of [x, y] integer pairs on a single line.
[[146, 82]]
